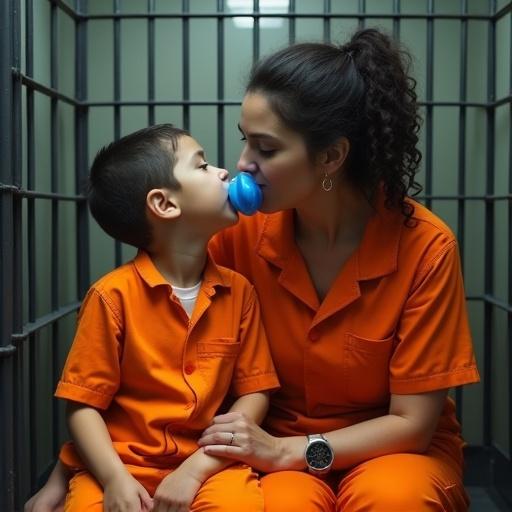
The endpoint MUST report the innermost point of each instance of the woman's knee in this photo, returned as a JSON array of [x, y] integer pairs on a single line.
[[402, 482], [290, 491]]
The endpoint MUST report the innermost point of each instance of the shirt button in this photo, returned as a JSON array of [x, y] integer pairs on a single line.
[[313, 335], [189, 368]]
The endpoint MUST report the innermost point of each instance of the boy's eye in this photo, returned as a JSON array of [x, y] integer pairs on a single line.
[[204, 166]]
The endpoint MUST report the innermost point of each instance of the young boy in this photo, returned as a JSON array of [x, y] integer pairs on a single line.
[[162, 340]]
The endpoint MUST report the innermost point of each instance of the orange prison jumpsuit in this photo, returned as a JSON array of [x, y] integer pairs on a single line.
[[159, 378], [394, 321]]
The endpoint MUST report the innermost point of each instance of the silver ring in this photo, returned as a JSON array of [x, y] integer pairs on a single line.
[[232, 438]]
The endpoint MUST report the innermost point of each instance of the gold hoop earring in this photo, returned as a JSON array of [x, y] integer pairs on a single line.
[[327, 183]]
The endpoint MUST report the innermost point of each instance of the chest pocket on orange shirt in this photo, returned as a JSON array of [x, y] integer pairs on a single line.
[[366, 370], [216, 361]]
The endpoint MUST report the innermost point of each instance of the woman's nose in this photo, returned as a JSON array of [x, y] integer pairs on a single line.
[[244, 162]]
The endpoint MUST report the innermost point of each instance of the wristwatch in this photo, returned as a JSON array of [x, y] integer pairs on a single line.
[[319, 455]]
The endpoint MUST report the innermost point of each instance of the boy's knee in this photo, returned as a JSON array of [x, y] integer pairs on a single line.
[[232, 490]]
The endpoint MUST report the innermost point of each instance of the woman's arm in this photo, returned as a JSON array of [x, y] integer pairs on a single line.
[[248, 408], [178, 489], [408, 427]]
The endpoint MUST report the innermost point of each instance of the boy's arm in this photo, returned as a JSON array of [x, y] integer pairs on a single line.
[[93, 443]]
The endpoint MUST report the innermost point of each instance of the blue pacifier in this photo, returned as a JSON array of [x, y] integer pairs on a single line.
[[244, 194]]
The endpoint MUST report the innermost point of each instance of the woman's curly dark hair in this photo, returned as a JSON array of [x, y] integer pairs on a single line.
[[360, 90]]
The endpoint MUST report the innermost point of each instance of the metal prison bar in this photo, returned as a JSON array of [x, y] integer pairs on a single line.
[[17, 439]]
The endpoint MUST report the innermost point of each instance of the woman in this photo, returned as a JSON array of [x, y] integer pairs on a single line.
[[360, 289]]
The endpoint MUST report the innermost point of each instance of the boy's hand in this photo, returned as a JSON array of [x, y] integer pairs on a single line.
[[47, 499], [125, 494], [177, 491]]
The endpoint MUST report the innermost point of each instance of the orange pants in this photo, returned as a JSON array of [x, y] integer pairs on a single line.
[[393, 483], [235, 489]]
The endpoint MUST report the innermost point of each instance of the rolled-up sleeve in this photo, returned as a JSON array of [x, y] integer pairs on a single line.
[[91, 374], [434, 348]]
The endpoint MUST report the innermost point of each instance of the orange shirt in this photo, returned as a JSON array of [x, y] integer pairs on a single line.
[[394, 320], [159, 377]]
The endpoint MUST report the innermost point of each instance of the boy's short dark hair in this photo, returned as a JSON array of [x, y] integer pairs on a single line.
[[124, 172]]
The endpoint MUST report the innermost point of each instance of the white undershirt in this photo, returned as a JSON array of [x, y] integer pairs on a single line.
[[187, 297]]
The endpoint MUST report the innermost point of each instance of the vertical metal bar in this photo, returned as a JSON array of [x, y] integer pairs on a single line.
[[151, 62], [55, 253], [362, 10], [489, 228], [81, 149], [220, 84], [430, 108], [396, 19], [256, 33], [7, 492], [461, 186], [31, 244], [186, 64], [117, 108], [20, 436], [292, 23], [327, 21], [509, 259]]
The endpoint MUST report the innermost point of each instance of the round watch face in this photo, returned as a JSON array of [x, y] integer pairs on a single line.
[[319, 455]]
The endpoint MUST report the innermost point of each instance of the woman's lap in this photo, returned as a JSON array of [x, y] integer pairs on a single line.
[[399, 482]]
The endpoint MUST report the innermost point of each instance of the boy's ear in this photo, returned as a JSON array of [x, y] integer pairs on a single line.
[[333, 158], [162, 204]]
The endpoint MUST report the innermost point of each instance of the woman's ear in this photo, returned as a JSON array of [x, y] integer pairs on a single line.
[[335, 155], [162, 204]]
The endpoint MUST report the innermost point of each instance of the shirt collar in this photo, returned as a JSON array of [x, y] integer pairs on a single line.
[[377, 254], [213, 275]]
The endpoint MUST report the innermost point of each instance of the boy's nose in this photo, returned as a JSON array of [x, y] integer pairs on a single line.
[[223, 174]]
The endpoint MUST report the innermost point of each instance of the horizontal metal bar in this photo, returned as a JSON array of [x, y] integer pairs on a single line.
[[502, 101], [13, 189], [145, 103], [67, 9], [52, 93], [216, 15], [502, 12], [489, 299], [175, 103], [456, 197], [45, 320], [7, 351], [39, 87]]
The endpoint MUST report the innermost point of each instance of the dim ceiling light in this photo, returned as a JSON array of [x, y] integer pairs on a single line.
[[265, 7]]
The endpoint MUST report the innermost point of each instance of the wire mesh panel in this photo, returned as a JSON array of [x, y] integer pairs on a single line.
[[75, 75]]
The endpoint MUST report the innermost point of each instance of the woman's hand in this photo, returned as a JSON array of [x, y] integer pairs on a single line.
[[234, 436]]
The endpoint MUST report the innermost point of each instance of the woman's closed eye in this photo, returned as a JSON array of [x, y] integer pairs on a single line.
[[266, 153], [204, 166]]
